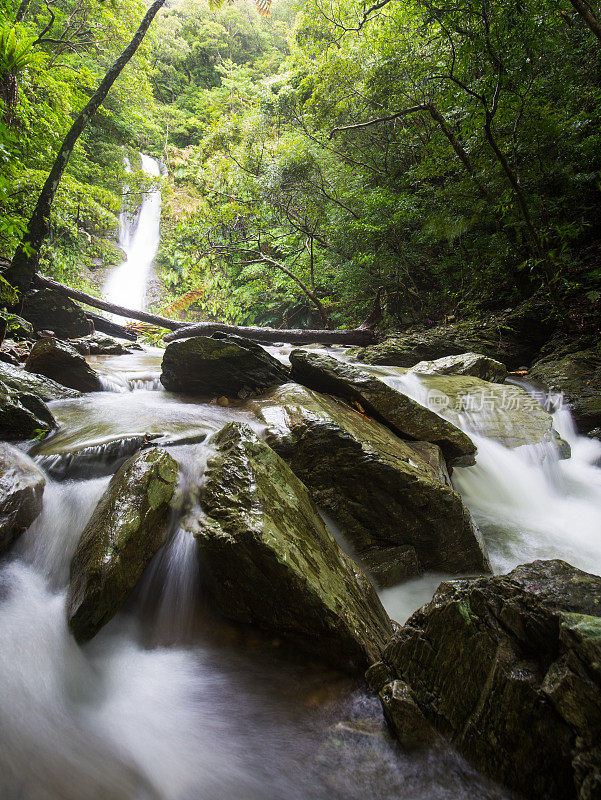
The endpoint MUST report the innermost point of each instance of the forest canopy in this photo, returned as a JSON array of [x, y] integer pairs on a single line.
[[449, 152]]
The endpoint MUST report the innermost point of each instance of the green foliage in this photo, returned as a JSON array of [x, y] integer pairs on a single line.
[[484, 189]]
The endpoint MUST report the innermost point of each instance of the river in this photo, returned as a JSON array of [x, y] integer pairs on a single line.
[[168, 702]]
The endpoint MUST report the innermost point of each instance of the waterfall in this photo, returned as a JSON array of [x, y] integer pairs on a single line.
[[139, 237]]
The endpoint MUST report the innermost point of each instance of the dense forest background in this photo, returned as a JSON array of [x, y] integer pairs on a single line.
[[449, 152]]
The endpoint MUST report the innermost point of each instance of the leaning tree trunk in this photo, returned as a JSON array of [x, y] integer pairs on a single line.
[[588, 15], [363, 335], [25, 261]]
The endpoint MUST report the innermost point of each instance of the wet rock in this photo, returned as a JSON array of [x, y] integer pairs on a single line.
[[404, 716], [466, 364], [16, 327], [270, 560], [508, 669], [392, 504], [23, 415], [576, 374], [62, 363], [503, 412], [432, 455], [400, 413], [99, 344], [7, 354], [127, 527], [216, 366], [21, 489], [17, 379], [48, 309]]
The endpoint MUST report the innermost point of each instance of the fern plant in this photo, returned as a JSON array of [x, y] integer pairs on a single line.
[[16, 54]]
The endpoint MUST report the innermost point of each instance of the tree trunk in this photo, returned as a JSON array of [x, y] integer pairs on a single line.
[[104, 325], [588, 15], [96, 302], [357, 336], [25, 261], [363, 335]]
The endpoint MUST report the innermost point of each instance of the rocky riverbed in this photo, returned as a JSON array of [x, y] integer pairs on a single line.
[[279, 496]]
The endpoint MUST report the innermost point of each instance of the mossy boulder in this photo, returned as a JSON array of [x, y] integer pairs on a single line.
[[18, 380], [23, 415], [16, 327], [404, 416], [270, 560], [62, 363], [21, 489], [49, 309], [127, 527], [219, 365], [576, 374], [473, 364], [503, 412], [508, 669], [392, 502]]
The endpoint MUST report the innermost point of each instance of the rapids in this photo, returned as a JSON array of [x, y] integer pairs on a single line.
[[169, 702]]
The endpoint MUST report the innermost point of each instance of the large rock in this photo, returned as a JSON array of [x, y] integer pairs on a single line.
[[48, 309], [576, 374], [219, 365], [21, 489], [400, 413], [271, 561], [503, 412], [23, 415], [16, 327], [127, 527], [62, 363], [466, 364], [392, 502], [17, 379], [509, 669]]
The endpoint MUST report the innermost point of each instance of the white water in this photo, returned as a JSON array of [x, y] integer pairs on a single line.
[[528, 503], [139, 237], [168, 702]]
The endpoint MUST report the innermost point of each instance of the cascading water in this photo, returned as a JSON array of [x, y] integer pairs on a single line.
[[169, 702], [139, 238], [528, 502]]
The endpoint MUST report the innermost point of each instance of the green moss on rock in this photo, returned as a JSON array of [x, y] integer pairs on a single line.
[[400, 413], [508, 669], [127, 527], [271, 561]]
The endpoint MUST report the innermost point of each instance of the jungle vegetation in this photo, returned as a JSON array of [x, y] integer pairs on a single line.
[[447, 151]]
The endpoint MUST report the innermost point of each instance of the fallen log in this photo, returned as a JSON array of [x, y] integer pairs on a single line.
[[96, 302], [356, 336], [104, 325], [363, 335]]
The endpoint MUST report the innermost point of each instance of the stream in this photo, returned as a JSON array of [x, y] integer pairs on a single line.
[[168, 702]]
